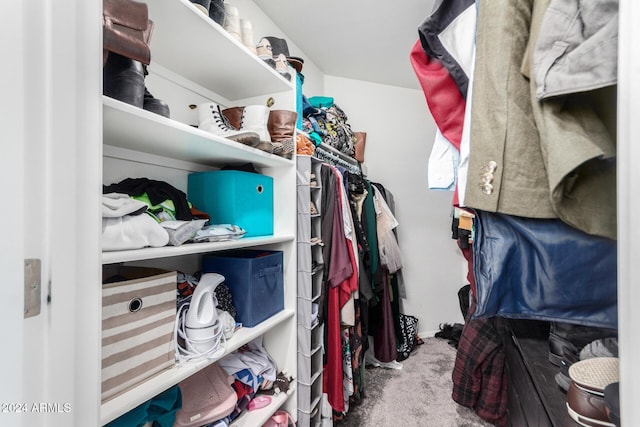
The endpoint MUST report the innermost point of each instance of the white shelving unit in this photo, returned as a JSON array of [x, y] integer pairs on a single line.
[[310, 264], [193, 61]]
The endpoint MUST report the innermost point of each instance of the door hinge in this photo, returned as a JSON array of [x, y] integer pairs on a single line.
[[32, 287]]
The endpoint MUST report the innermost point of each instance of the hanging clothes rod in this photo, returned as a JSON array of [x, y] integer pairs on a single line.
[[332, 156]]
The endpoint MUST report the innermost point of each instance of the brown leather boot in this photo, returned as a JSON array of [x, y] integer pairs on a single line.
[[234, 116], [282, 126]]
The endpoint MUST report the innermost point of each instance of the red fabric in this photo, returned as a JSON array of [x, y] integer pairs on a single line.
[[442, 94], [443, 97], [333, 375]]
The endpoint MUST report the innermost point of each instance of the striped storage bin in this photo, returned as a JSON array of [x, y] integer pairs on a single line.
[[138, 317]]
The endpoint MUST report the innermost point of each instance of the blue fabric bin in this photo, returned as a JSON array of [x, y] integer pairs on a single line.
[[234, 197], [255, 279]]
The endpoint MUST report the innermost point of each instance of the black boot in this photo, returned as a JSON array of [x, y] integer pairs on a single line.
[[155, 105], [123, 79], [566, 339]]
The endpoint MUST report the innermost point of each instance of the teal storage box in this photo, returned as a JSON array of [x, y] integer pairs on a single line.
[[234, 197], [255, 280]]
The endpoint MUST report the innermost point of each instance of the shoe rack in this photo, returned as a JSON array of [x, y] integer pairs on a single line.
[[194, 60], [310, 271]]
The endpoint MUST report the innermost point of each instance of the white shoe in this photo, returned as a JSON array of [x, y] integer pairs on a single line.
[[212, 120], [254, 119]]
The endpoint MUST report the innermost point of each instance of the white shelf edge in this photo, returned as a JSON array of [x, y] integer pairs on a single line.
[[259, 416], [129, 127], [190, 248], [121, 404]]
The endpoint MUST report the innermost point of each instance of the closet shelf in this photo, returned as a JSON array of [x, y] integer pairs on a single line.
[[190, 248], [208, 55], [128, 400], [129, 127]]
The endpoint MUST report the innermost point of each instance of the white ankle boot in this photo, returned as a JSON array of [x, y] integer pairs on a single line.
[[212, 120], [254, 119]]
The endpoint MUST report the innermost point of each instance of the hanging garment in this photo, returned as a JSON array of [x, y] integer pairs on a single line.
[[337, 284], [577, 47], [347, 369], [578, 130], [506, 164], [447, 35], [447, 107], [543, 270], [347, 312], [332, 379], [358, 194], [358, 343], [388, 247], [549, 159], [444, 100], [443, 164], [385, 344], [479, 376], [369, 227]]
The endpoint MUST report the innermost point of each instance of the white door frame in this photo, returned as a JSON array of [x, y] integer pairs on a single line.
[[51, 148], [629, 209], [11, 217]]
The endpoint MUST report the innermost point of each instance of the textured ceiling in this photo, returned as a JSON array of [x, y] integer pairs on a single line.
[[358, 39]]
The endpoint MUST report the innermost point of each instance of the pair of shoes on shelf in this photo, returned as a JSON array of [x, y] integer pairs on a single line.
[[602, 347], [566, 337], [214, 9], [212, 119], [275, 52], [312, 209], [585, 398], [258, 126]]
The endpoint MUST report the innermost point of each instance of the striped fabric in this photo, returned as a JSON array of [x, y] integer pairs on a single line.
[[138, 317]]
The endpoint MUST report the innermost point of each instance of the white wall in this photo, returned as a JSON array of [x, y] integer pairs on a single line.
[[400, 134]]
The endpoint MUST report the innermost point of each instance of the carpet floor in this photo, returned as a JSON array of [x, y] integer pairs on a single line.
[[417, 395]]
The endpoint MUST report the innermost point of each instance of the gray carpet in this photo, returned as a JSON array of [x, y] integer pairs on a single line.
[[417, 395]]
